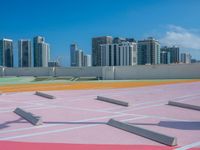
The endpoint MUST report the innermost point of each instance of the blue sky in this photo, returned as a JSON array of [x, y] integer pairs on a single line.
[[61, 22]]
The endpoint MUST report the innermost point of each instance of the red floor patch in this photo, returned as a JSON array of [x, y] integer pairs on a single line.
[[6, 145]]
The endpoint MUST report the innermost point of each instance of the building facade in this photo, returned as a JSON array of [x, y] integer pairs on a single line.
[[53, 64], [186, 58], [6, 53], [41, 52], [87, 61], [122, 52], [174, 53], [78, 58], [164, 57], [96, 48], [73, 49], [24, 53], [148, 51]]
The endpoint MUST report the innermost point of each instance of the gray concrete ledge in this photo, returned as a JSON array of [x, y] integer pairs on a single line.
[[183, 105], [35, 120], [44, 95], [155, 136], [114, 101]]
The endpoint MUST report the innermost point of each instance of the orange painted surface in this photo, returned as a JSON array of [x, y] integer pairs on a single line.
[[85, 85]]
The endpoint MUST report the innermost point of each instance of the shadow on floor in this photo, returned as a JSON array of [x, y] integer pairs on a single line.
[[7, 123], [182, 125]]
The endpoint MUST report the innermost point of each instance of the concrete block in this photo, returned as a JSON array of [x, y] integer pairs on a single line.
[[35, 120], [44, 95], [183, 105], [155, 136], [114, 101]]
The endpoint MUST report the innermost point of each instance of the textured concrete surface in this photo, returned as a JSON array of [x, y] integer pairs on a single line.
[[75, 117]]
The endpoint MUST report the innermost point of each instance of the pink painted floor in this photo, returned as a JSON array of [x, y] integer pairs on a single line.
[[76, 117]]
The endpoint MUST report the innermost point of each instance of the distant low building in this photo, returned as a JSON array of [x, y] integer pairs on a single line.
[[53, 64], [193, 60]]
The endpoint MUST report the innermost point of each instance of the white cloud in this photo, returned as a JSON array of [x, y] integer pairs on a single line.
[[184, 38]]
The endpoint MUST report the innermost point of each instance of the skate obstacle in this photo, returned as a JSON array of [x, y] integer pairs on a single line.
[[183, 105], [33, 119], [42, 94], [113, 101], [155, 136]]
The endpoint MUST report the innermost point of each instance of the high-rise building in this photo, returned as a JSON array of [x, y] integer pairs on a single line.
[[148, 51], [96, 48], [6, 52], [73, 49], [41, 52], [79, 57], [186, 58], [174, 53], [164, 57], [87, 61], [44, 56], [123, 52], [24, 53]]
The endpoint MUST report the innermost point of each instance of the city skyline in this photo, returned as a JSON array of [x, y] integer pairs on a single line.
[[61, 25], [106, 51]]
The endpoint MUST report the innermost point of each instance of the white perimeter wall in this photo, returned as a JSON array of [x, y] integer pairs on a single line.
[[79, 71], [173, 71]]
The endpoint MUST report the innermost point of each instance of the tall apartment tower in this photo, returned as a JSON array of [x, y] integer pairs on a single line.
[[41, 52], [87, 61], [6, 52], [148, 51], [174, 53], [79, 58], [186, 58], [122, 52], [164, 57], [96, 48], [24, 53], [73, 49]]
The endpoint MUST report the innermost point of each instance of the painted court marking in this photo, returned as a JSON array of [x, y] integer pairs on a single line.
[[58, 130], [189, 146], [122, 112], [83, 120]]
